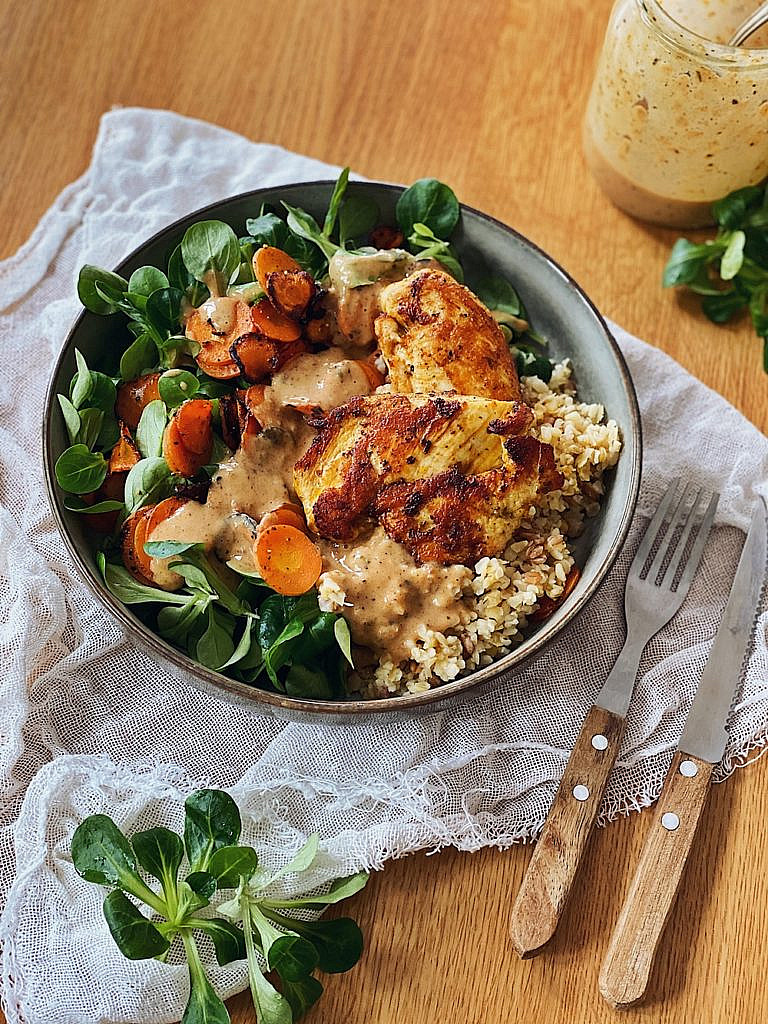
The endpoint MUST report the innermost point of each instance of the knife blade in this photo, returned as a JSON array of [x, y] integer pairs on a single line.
[[705, 734], [627, 966]]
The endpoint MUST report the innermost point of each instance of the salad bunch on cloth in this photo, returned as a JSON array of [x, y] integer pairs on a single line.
[[163, 429], [255, 924]]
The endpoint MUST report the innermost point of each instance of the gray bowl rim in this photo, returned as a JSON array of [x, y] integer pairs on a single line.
[[251, 697]]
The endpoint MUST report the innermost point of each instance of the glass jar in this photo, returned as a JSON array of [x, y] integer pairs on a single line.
[[676, 118]]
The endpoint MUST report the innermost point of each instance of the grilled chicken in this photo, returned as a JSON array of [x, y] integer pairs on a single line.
[[450, 477], [435, 335]]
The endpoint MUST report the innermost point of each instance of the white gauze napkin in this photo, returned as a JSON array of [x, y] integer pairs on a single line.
[[90, 723]]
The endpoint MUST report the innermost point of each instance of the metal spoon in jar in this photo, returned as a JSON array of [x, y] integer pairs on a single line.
[[751, 24]]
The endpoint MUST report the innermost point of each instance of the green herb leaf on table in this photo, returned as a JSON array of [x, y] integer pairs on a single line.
[[291, 948], [212, 820], [136, 936], [730, 271]]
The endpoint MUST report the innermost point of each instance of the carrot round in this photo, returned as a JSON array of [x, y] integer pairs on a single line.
[[375, 379], [288, 560], [188, 438], [133, 395], [258, 357], [270, 322], [134, 533], [194, 420], [269, 260], [318, 330], [215, 359], [125, 453], [162, 511], [286, 515], [291, 291]]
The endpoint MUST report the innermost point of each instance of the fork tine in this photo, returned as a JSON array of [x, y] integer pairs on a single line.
[[698, 547], [652, 530], [669, 543], [693, 520]]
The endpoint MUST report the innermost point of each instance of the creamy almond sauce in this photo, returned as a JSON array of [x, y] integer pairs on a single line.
[[259, 476], [221, 312], [388, 596], [326, 379], [255, 480], [357, 280]]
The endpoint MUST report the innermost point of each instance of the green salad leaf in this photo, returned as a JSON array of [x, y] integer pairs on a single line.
[[729, 271]]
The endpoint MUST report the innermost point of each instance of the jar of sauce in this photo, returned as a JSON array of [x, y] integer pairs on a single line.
[[677, 118]]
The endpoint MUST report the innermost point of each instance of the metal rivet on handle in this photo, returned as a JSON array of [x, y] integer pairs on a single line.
[[581, 792], [599, 742], [688, 769], [670, 821]]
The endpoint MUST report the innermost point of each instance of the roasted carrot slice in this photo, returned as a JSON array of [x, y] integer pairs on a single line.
[[231, 416], [291, 291], [288, 560], [125, 453], [215, 359], [188, 438], [375, 379], [319, 330], [286, 515], [162, 511], [259, 357], [385, 237], [269, 321], [133, 395], [195, 430], [269, 260], [201, 325], [133, 535], [214, 356], [253, 396]]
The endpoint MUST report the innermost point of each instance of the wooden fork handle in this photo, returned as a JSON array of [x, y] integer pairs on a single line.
[[555, 861], [629, 960]]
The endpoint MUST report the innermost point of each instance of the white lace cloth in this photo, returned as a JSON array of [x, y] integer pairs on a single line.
[[89, 723]]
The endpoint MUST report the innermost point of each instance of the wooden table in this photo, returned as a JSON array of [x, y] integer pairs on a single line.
[[486, 95]]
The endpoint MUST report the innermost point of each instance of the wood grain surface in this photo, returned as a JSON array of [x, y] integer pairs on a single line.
[[554, 864], [487, 95], [650, 901]]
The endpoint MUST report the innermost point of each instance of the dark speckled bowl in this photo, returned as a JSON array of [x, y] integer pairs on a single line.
[[561, 312]]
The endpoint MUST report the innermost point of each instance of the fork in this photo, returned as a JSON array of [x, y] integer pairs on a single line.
[[675, 537]]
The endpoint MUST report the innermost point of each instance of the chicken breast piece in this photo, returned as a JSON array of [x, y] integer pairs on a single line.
[[447, 475], [435, 335]]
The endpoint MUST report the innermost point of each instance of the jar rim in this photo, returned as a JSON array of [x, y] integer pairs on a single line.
[[687, 41]]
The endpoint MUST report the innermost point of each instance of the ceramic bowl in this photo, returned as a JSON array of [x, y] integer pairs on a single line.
[[561, 312]]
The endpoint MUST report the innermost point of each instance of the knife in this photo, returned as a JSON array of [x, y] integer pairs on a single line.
[[629, 960]]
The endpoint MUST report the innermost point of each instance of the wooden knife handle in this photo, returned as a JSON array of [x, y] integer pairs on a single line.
[[629, 960], [555, 861]]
